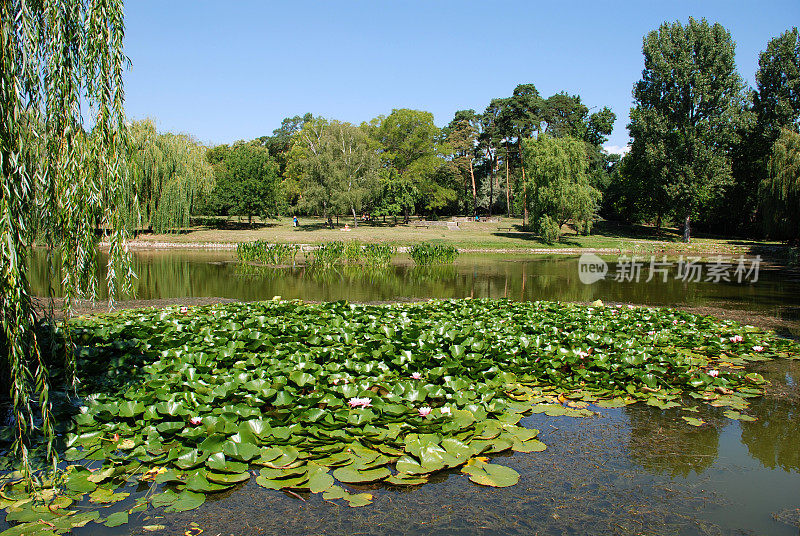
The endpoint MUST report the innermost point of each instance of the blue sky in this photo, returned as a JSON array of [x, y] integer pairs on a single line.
[[224, 71]]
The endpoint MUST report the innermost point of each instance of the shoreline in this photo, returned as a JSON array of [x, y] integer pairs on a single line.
[[648, 248]]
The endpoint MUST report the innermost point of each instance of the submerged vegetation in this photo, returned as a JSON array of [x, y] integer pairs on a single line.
[[318, 397]]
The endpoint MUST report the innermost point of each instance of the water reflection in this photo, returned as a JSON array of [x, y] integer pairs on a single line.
[[173, 274], [774, 439]]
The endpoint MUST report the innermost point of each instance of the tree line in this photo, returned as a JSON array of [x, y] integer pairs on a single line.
[[707, 152]]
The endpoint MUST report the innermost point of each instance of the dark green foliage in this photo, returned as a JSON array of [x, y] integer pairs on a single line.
[[688, 106], [426, 253], [246, 181]]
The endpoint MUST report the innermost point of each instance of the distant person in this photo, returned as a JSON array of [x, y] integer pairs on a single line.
[[477, 218], [346, 227], [295, 223]]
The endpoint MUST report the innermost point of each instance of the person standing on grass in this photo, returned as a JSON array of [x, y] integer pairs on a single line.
[[295, 223]]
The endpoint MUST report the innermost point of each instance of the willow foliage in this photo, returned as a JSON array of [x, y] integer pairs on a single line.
[[780, 190], [166, 173], [60, 61]]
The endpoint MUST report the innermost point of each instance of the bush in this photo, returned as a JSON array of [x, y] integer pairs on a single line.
[[425, 253], [548, 230]]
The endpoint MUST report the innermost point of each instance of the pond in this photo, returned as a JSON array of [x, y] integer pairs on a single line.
[[191, 274], [631, 470]]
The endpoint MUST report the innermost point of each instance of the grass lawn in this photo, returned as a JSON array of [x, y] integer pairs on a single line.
[[504, 235]]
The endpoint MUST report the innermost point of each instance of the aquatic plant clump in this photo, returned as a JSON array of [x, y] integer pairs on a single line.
[[266, 253], [318, 397], [425, 253]]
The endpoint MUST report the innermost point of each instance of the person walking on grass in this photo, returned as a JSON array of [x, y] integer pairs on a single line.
[[295, 223]]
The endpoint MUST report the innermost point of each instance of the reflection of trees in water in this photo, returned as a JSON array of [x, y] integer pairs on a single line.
[[662, 443], [774, 439], [163, 274]]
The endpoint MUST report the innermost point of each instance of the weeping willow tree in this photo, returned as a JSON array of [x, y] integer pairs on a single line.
[[61, 61], [780, 191], [166, 173]]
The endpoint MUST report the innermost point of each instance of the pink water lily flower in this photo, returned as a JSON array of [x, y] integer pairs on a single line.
[[446, 411], [184, 309], [758, 348], [736, 338], [360, 402], [651, 332], [416, 375], [196, 421], [424, 411], [713, 373]]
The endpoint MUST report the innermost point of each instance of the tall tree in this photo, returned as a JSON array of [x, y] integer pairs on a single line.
[[246, 179], [337, 167], [489, 142], [780, 191], [60, 61], [462, 137], [411, 150], [683, 125], [776, 100], [521, 117], [166, 173]]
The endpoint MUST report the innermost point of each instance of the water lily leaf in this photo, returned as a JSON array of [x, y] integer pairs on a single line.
[[693, 421], [116, 519], [320, 482], [106, 496], [358, 499], [491, 474], [738, 416], [350, 475], [402, 479], [228, 478], [218, 462], [186, 500]]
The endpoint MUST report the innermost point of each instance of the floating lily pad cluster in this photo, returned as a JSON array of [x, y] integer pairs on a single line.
[[326, 397]]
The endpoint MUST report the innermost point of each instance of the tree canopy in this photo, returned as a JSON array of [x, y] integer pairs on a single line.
[[165, 175], [688, 105], [558, 185]]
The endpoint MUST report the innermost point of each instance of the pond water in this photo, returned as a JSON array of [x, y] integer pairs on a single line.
[[178, 274], [634, 470]]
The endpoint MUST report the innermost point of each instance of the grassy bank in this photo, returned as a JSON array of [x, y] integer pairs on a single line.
[[506, 235]]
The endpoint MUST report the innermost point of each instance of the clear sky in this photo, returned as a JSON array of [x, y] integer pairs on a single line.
[[232, 70]]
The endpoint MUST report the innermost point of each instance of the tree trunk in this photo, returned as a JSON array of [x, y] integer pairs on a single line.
[[474, 190], [355, 220], [524, 199], [687, 229], [658, 223], [406, 217], [508, 190], [337, 218], [250, 220], [491, 187]]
